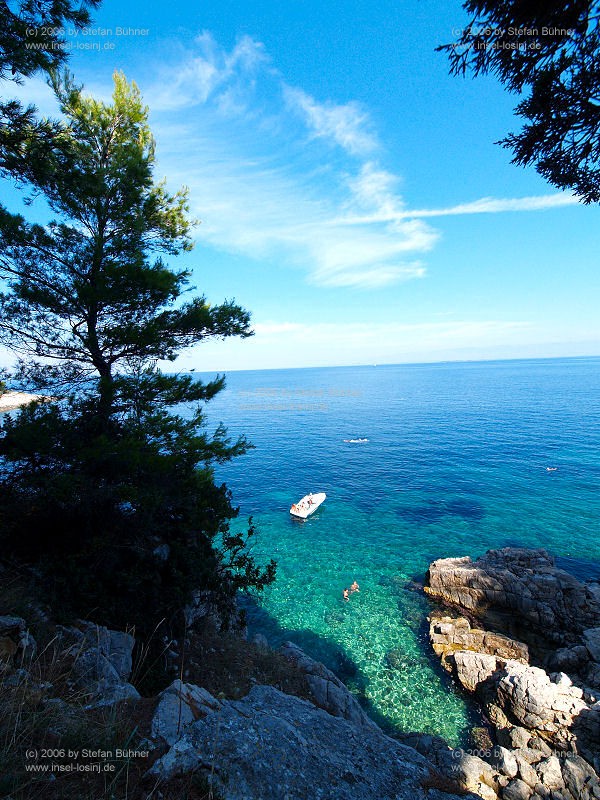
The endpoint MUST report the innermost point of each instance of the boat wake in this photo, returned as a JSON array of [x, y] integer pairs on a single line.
[[355, 441]]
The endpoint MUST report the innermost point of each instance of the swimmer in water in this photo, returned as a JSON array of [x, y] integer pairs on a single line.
[[354, 587], [346, 594]]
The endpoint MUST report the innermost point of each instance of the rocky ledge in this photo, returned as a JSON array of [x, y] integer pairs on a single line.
[[268, 744], [272, 746], [520, 592], [541, 694], [275, 746]]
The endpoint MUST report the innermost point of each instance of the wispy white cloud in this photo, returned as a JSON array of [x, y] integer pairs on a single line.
[[256, 208], [276, 174], [265, 185], [374, 189], [207, 71], [491, 205], [347, 125], [485, 205]]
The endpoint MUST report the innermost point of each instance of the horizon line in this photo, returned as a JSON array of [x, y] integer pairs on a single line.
[[398, 364]]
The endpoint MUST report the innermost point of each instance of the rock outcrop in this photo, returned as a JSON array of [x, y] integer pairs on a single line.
[[550, 707], [10, 401], [179, 705], [547, 722], [17, 645], [275, 746], [102, 662], [449, 634], [520, 592], [328, 691]]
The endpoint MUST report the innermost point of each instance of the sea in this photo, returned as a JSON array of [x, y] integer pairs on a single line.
[[419, 462]]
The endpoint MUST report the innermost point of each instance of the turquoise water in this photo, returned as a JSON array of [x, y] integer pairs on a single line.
[[455, 463]]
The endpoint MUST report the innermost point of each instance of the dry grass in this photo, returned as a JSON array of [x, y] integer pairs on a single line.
[[228, 666], [26, 725], [43, 716], [45, 711]]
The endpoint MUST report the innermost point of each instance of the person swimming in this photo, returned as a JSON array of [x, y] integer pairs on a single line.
[[354, 587], [346, 594]]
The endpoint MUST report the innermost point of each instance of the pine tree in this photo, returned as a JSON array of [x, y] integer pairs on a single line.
[[33, 39], [549, 54], [96, 483]]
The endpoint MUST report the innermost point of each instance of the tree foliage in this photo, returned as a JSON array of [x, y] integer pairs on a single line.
[[85, 294], [32, 39], [40, 23], [106, 489], [549, 53]]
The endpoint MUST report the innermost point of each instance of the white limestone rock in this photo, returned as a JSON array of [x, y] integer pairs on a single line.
[[550, 773], [181, 759], [473, 669], [102, 661], [476, 775], [505, 761], [517, 588], [517, 790], [178, 706]]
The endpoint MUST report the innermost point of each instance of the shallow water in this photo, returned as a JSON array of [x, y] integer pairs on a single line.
[[455, 463]]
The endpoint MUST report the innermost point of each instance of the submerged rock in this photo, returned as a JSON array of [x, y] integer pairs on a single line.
[[398, 660]]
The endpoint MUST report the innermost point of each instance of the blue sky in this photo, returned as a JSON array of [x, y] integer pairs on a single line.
[[350, 192]]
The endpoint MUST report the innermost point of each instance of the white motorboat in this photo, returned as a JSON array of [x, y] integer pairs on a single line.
[[308, 505]]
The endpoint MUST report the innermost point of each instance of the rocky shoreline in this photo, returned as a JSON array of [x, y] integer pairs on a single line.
[[267, 744], [540, 695], [540, 692]]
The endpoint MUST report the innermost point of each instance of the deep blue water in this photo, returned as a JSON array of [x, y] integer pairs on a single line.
[[455, 463]]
